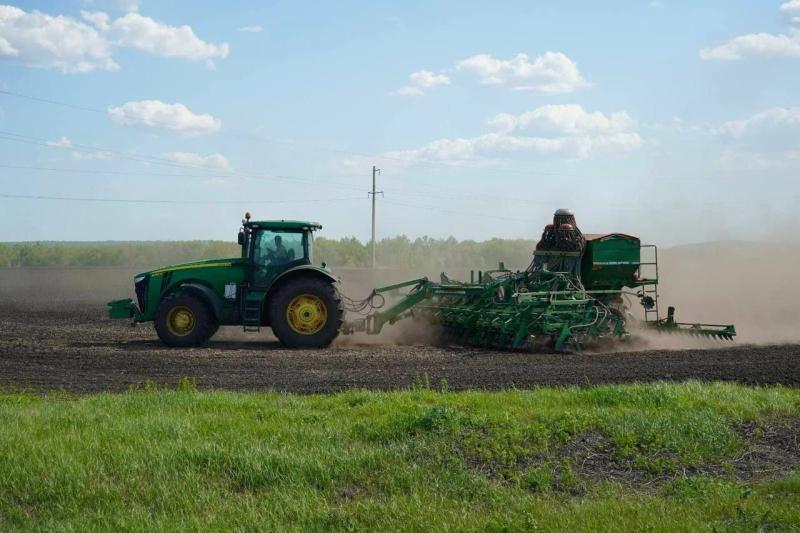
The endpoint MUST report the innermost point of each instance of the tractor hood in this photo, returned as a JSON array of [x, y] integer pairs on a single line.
[[196, 265]]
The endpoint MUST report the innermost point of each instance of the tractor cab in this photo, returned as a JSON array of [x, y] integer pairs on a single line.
[[275, 246]]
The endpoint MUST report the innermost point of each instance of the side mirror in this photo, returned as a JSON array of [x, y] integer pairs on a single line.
[[241, 238]]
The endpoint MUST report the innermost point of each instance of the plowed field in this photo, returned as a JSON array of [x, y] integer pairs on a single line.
[[72, 346]]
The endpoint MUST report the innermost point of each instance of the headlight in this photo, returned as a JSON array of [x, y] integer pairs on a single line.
[[140, 287]]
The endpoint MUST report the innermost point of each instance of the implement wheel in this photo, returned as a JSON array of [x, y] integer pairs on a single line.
[[306, 313], [183, 320]]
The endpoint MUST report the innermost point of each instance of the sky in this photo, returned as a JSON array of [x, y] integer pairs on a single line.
[[678, 121]]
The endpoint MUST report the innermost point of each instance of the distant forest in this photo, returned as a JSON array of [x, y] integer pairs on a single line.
[[395, 252]]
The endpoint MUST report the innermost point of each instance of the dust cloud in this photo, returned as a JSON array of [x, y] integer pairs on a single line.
[[751, 285]]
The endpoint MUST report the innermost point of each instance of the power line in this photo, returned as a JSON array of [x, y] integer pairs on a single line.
[[38, 141], [456, 212], [235, 202], [252, 138], [214, 173], [231, 174], [107, 172], [384, 156], [54, 102], [449, 192], [240, 202], [189, 202], [395, 191]]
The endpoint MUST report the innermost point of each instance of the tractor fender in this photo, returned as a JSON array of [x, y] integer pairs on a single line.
[[213, 301], [302, 270]]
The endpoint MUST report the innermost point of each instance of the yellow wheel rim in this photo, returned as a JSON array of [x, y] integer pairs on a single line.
[[306, 314], [180, 320]]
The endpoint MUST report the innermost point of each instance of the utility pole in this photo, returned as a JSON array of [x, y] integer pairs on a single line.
[[375, 171]]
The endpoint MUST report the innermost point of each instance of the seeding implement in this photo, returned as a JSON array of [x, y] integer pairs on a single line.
[[538, 307], [578, 289]]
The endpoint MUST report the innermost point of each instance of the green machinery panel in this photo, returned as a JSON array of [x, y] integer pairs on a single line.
[[610, 261]]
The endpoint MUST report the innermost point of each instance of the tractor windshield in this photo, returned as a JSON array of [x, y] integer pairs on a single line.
[[275, 248], [272, 250]]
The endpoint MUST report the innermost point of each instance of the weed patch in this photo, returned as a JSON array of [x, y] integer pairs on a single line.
[[768, 451]]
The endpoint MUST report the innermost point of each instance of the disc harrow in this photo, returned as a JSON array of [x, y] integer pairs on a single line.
[[713, 331]]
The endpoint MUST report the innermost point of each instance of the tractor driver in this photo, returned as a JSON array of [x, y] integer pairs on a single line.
[[280, 255]]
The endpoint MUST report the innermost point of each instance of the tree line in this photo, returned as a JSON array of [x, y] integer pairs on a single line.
[[395, 252]]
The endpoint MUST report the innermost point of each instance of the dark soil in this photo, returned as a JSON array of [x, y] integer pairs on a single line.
[[773, 449], [71, 345]]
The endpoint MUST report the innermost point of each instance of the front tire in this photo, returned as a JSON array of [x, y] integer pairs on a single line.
[[306, 313], [184, 321]]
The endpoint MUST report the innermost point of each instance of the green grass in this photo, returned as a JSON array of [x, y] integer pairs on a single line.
[[413, 460]]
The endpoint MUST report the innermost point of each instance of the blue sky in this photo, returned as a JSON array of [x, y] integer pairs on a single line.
[[675, 120]]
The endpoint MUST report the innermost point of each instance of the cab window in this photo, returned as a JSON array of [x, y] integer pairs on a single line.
[[277, 248], [274, 250]]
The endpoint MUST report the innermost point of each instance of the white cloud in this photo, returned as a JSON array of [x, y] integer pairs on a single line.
[[776, 116], [143, 33], [565, 119], [251, 29], [760, 44], [39, 40], [214, 161], [767, 139], [756, 44], [73, 46], [6, 49], [157, 114], [61, 142], [563, 130], [549, 73], [420, 80], [96, 18], [80, 154], [792, 6], [427, 79]]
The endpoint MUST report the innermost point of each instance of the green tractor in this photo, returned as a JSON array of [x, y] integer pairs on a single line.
[[273, 283]]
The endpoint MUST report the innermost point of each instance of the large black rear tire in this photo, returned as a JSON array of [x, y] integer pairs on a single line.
[[183, 320], [306, 312]]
